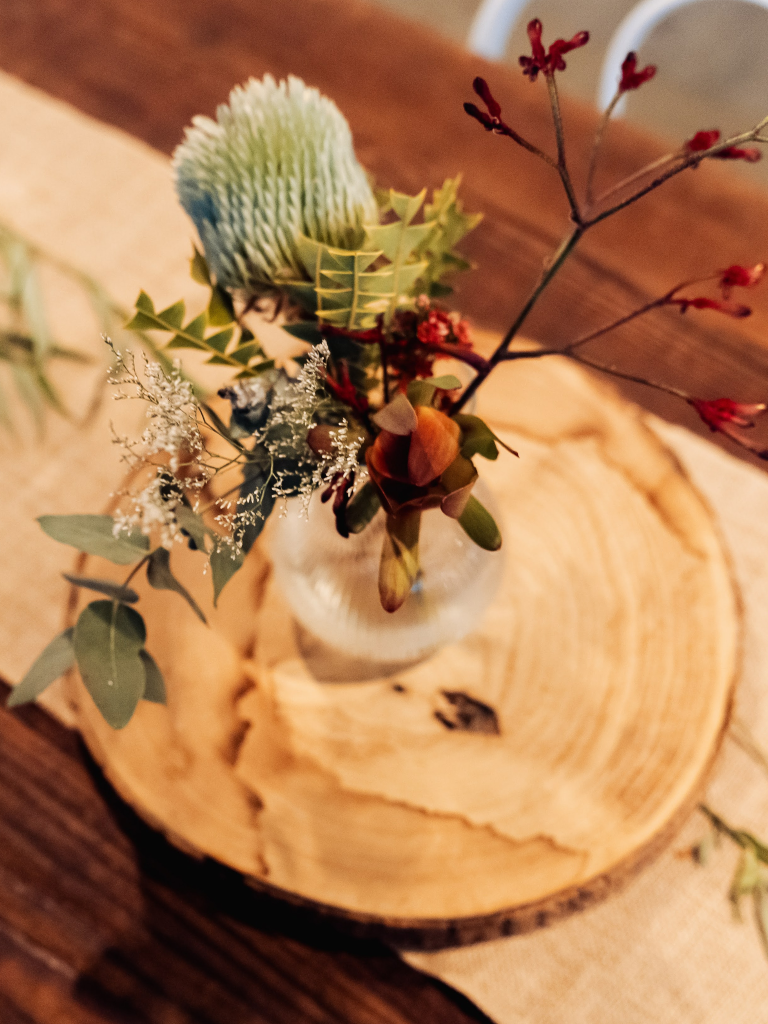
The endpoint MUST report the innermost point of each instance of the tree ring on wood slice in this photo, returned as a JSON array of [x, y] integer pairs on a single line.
[[608, 659]]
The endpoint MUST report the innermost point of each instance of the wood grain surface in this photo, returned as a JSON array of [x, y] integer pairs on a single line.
[[100, 920], [606, 659]]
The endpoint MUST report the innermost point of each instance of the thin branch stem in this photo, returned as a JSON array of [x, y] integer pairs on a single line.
[[691, 160], [596, 145], [384, 374], [562, 166], [136, 568], [510, 133], [634, 378]]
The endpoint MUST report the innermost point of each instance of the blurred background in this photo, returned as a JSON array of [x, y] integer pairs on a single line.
[[711, 56]]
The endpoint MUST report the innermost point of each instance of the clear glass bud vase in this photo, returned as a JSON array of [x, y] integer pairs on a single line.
[[331, 584]]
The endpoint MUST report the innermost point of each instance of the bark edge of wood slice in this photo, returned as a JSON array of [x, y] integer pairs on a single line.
[[608, 657]]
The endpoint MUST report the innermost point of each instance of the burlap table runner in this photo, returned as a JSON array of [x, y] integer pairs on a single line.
[[664, 950]]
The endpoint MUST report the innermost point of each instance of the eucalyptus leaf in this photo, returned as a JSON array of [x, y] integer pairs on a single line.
[[57, 658], [154, 688], [255, 495], [192, 524], [362, 507], [108, 640], [224, 565], [116, 591], [161, 578], [94, 535], [480, 526]]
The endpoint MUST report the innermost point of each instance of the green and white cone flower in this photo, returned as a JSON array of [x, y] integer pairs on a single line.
[[276, 163]]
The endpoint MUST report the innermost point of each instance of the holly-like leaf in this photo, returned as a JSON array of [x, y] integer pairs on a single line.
[[57, 658], [480, 526], [108, 640], [160, 577], [154, 687], [94, 535], [450, 224], [116, 591], [224, 565]]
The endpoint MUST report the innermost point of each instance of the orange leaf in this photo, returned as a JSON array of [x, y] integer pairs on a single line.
[[434, 445]]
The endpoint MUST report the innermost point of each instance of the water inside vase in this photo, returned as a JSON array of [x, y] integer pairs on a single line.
[[330, 584]]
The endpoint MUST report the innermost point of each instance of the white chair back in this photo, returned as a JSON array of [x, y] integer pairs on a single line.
[[495, 19]]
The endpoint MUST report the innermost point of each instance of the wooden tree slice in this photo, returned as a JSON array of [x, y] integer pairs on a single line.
[[608, 658]]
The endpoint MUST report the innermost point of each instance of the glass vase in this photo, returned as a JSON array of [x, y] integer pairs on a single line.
[[331, 584]]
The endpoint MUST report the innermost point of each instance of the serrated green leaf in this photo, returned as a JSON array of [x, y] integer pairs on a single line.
[[173, 316], [57, 658], [94, 536], [154, 685], [196, 328], [362, 507], [108, 640], [161, 578], [480, 526], [143, 322], [198, 267], [144, 303], [220, 340], [179, 341], [244, 353], [224, 565], [406, 207], [221, 311], [116, 591]]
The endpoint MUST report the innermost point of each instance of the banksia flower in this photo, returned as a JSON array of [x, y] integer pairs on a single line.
[[276, 163]]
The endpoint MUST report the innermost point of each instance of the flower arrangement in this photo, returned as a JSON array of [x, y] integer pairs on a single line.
[[291, 228]]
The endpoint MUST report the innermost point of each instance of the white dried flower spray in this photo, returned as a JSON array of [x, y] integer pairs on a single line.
[[171, 432]]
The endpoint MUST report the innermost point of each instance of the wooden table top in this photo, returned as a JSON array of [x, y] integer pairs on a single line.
[[100, 920]]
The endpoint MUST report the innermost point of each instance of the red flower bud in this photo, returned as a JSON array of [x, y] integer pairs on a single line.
[[483, 91], [702, 141], [737, 276], [552, 60], [702, 302], [705, 140], [750, 154], [720, 413], [631, 78]]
